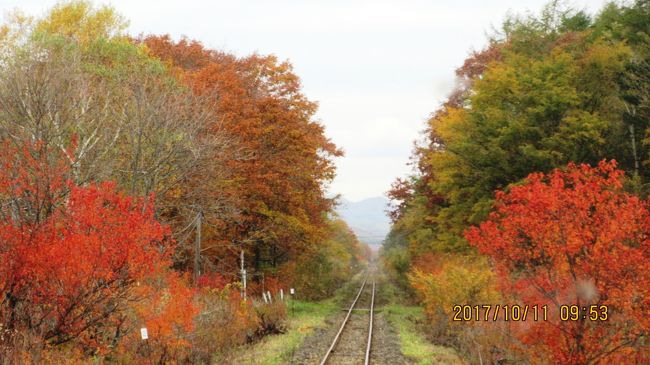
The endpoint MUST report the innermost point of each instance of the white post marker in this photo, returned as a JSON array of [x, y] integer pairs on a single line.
[[292, 292], [264, 296], [268, 293], [281, 294], [243, 273], [143, 333]]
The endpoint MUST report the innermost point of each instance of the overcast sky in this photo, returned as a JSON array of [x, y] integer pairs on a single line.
[[377, 68]]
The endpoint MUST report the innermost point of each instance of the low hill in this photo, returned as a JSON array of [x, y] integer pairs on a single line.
[[367, 218]]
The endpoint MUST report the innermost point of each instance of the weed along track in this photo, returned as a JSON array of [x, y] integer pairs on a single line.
[[352, 343]]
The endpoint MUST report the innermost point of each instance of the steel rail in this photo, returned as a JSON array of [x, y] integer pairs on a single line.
[[372, 310], [345, 321]]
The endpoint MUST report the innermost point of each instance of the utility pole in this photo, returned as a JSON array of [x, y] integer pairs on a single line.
[[197, 248], [243, 275], [636, 160]]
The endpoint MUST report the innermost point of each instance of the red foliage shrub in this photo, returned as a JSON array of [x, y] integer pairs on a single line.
[[77, 261], [74, 269], [212, 281], [574, 237]]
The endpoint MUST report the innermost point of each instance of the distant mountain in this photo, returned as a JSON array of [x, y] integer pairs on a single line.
[[367, 218]]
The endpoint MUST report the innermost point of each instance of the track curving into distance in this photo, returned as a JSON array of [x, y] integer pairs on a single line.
[[331, 351]]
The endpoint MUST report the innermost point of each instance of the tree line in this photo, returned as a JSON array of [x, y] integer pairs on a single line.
[[114, 148], [531, 188]]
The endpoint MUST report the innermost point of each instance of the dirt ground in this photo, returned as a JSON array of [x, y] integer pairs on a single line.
[[351, 348]]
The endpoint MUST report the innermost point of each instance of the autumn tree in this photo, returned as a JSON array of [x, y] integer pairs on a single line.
[[574, 237], [317, 273], [549, 89], [288, 159], [73, 78]]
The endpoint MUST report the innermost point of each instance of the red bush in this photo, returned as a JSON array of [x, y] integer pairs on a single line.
[[574, 237]]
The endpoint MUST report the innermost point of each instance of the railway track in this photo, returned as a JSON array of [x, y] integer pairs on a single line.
[[345, 347]]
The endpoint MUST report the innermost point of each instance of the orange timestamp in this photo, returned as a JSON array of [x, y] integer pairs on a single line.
[[498, 312], [588, 312], [516, 312]]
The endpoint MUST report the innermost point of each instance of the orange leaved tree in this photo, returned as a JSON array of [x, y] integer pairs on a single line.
[[287, 160]]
